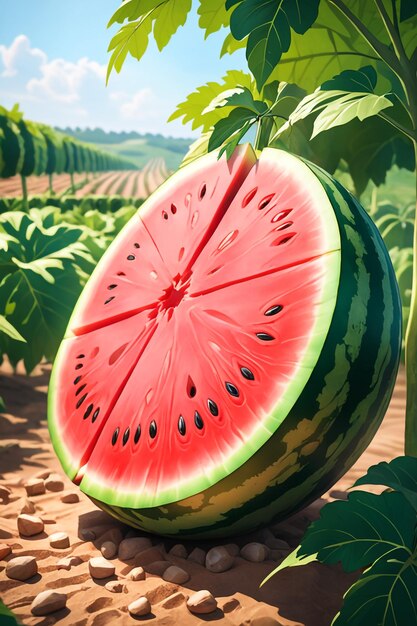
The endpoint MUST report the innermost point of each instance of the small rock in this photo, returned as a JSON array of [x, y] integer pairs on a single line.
[[219, 560], [108, 550], [115, 586], [28, 507], [42, 474], [4, 492], [70, 498], [5, 550], [48, 602], [35, 487], [54, 482], [59, 540], [137, 573], [129, 548], [141, 606], [114, 535], [157, 568], [100, 568], [197, 556], [21, 568], [177, 575], [178, 550], [148, 556], [254, 552], [202, 602], [232, 548], [273, 542], [87, 535], [68, 562], [174, 600], [29, 525]]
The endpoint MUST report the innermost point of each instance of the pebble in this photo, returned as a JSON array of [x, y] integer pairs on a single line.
[[197, 556], [54, 482], [178, 550], [42, 474], [157, 568], [115, 586], [35, 487], [202, 602], [68, 562], [4, 493], [114, 535], [254, 552], [273, 542], [87, 535], [100, 568], [129, 548], [232, 549], [177, 575], [108, 549], [174, 600], [21, 568], [29, 525], [59, 540], [28, 507], [150, 555], [219, 560], [70, 498], [5, 550], [48, 602], [137, 573], [141, 606]]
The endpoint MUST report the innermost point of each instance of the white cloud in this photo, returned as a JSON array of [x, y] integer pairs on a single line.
[[140, 105], [20, 56]]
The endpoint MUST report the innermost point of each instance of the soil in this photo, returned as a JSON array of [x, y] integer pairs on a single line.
[[308, 596]]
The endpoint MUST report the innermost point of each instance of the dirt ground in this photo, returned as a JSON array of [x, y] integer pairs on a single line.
[[310, 595]]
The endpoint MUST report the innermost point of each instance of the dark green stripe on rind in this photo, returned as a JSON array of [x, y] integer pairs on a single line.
[[336, 415]]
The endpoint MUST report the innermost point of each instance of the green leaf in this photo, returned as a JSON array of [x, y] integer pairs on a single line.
[[292, 560], [213, 16], [131, 39], [8, 329], [198, 148], [385, 595], [231, 44], [172, 15], [239, 97], [399, 474], [408, 8], [131, 10], [226, 127], [268, 24], [229, 146], [196, 109], [7, 617], [362, 80]]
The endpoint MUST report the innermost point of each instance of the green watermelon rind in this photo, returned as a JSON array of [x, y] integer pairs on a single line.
[[244, 500], [90, 483]]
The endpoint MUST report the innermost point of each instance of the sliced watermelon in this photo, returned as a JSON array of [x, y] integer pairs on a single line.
[[230, 359]]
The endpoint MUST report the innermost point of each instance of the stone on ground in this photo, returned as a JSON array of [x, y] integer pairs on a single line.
[[202, 602], [47, 602], [22, 568]]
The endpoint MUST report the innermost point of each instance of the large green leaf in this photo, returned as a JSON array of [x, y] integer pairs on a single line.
[[268, 25], [213, 16], [170, 17], [224, 129], [10, 330], [384, 595], [132, 38], [131, 10]]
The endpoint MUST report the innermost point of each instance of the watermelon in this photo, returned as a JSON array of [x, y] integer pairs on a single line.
[[232, 354]]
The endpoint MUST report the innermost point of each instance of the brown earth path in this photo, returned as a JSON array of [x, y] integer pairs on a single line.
[[308, 596]]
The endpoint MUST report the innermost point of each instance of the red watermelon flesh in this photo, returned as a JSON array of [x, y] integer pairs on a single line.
[[214, 351]]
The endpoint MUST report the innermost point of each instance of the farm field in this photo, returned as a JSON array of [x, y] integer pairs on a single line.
[[126, 183]]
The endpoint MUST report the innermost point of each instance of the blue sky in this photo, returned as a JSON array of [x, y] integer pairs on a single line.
[[53, 57]]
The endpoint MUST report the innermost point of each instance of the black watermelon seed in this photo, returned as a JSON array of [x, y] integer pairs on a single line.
[[115, 435], [88, 411], [131, 257], [136, 245], [181, 425], [112, 286], [109, 299], [79, 390], [78, 366], [126, 435], [274, 309], [193, 391], [152, 429], [80, 401], [77, 380], [137, 434], [246, 373], [265, 336], [213, 407], [202, 191], [165, 215], [95, 415], [80, 356], [234, 391], [198, 420]]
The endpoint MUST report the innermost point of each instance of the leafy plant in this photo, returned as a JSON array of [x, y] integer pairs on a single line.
[[7, 617], [375, 532], [354, 65]]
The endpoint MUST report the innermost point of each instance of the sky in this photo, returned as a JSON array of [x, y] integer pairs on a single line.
[[53, 59]]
